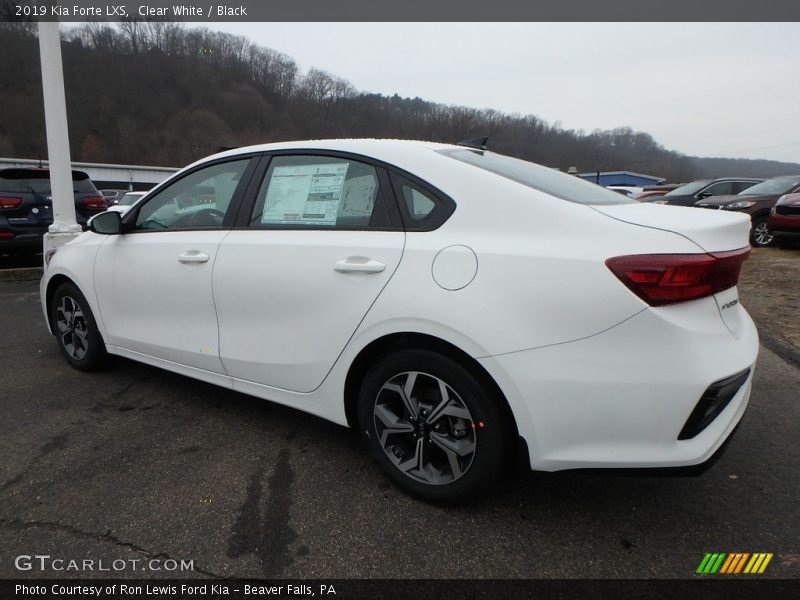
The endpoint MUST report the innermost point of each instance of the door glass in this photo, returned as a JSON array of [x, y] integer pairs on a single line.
[[419, 205], [319, 191], [723, 188], [740, 186], [197, 201]]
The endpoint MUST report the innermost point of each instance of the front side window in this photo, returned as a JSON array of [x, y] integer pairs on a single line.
[[197, 201], [319, 192], [723, 188]]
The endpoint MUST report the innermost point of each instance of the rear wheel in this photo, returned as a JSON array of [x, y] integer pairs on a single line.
[[760, 234], [434, 429], [76, 330]]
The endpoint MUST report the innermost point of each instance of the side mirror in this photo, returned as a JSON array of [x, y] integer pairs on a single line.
[[106, 223], [702, 195]]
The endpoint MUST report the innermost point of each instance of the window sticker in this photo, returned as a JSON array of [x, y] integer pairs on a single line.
[[358, 196], [304, 194]]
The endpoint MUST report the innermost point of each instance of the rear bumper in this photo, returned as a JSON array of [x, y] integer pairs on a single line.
[[25, 240], [621, 399]]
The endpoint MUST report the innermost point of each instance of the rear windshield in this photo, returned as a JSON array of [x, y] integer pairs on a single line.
[[544, 179], [25, 181], [779, 185], [689, 189]]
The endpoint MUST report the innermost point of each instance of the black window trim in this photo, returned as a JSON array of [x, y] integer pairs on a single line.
[[129, 218], [386, 195], [444, 206], [387, 173]]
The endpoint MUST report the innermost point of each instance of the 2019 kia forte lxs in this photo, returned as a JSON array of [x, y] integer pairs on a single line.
[[445, 300]]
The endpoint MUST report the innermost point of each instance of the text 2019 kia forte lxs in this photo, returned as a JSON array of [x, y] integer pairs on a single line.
[[445, 300]]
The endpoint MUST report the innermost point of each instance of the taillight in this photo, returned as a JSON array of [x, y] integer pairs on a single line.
[[94, 202], [661, 279], [6, 235], [10, 202]]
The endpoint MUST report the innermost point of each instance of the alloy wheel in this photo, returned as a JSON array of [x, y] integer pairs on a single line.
[[425, 428], [72, 328], [761, 234]]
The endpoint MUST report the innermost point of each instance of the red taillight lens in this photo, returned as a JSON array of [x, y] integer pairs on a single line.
[[95, 202], [6, 235], [10, 202], [661, 279]]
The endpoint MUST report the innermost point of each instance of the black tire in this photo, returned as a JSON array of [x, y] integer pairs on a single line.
[[760, 236], [472, 418], [76, 330]]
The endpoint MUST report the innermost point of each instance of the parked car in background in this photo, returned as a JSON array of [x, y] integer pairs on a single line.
[[127, 200], [26, 208], [784, 219], [626, 190], [112, 196], [382, 284], [757, 201], [687, 195], [649, 195]]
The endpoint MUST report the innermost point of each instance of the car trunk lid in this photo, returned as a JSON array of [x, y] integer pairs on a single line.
[[713, 232]]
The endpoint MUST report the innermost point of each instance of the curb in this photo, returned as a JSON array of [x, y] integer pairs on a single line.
[[26, 274]]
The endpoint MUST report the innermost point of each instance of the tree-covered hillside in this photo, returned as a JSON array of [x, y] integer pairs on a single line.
[[163, 94]]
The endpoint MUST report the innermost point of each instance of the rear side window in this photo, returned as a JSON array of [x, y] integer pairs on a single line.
[[538, 177], [422, 207], [418, 204], [325, 192], [740, 186]]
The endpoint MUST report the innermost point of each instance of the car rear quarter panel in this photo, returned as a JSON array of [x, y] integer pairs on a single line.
[[541, 277]]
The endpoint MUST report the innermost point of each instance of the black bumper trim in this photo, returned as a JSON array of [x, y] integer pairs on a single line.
[[712, 403]]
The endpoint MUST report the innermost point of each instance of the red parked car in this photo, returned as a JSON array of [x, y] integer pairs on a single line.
[[784, 218]]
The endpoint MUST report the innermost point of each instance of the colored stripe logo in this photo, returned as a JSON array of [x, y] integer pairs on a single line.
[[734, 563]]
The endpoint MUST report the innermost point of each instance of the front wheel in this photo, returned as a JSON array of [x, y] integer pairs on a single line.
[[434, 429], [76, 330], [760, 234]]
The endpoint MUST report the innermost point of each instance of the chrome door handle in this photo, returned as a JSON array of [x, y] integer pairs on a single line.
[[193, 256], [359, 264]]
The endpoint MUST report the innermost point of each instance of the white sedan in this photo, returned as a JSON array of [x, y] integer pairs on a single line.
[[452, 303], [125, 201]]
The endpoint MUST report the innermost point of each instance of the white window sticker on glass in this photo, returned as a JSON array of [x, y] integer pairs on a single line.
[[304, 194]]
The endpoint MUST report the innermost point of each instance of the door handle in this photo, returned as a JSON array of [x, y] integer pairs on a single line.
[[193, 256], [359, 264]]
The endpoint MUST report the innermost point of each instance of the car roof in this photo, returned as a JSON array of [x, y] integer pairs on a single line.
[[381, 149]]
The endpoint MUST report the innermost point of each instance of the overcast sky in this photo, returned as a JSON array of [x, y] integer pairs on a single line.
[[707, 89]]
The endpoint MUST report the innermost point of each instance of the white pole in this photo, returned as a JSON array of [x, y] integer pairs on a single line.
[[64, 226]]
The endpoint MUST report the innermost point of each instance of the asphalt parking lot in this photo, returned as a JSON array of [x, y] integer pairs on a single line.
[[135, 462]]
